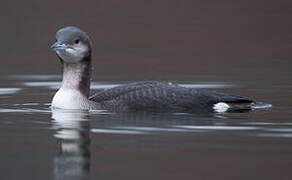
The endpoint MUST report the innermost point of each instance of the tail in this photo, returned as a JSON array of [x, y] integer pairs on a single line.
[[226, 102]]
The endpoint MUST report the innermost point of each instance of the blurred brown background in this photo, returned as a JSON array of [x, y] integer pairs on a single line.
[[150, 38]]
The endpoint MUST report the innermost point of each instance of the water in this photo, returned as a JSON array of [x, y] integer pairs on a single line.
[[39, 143]]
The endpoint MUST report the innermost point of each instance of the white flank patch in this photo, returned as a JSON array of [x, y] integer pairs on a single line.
[[221, 107]]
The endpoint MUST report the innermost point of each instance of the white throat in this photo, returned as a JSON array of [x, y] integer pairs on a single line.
[[74, 91]]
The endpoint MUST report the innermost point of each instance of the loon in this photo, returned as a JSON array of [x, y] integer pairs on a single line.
[[73, 48]]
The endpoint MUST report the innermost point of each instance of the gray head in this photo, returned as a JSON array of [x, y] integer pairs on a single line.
[[73, 45]]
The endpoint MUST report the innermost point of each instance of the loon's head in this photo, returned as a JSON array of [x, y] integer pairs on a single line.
[[73, 45]]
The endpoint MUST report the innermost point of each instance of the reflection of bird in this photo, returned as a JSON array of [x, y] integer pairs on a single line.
[[73, 161], [73, 47]]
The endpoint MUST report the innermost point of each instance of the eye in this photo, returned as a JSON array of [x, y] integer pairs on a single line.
[[76, 41]]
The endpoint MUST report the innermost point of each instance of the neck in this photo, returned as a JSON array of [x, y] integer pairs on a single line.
[[76, 76]]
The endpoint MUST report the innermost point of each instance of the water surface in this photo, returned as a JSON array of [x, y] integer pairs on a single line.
[[40, 143]]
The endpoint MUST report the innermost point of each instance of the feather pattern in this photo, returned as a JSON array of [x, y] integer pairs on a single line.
[[161, 96]]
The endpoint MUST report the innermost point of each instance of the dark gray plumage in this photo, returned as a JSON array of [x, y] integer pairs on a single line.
[[73, 47], [163, 96]]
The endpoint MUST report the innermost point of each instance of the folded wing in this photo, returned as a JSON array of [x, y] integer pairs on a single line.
[[162, 96]]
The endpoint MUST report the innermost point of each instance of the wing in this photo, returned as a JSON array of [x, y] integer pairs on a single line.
[[161, 96]]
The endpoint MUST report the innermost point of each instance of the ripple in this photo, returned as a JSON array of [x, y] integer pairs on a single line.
[[284, 135], [50, 85], [56, 85], [218, 127], [36, 77], [207, 85], [27, 104], [100, 112], [280, 129], [267, 123], [100, 86], [260, 105], [27, 110], [114, 131], [9, 90], [152, 129], [103, 86], [12, 110]]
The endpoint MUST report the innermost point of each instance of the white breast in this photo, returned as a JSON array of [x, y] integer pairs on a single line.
[[70, 99]]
